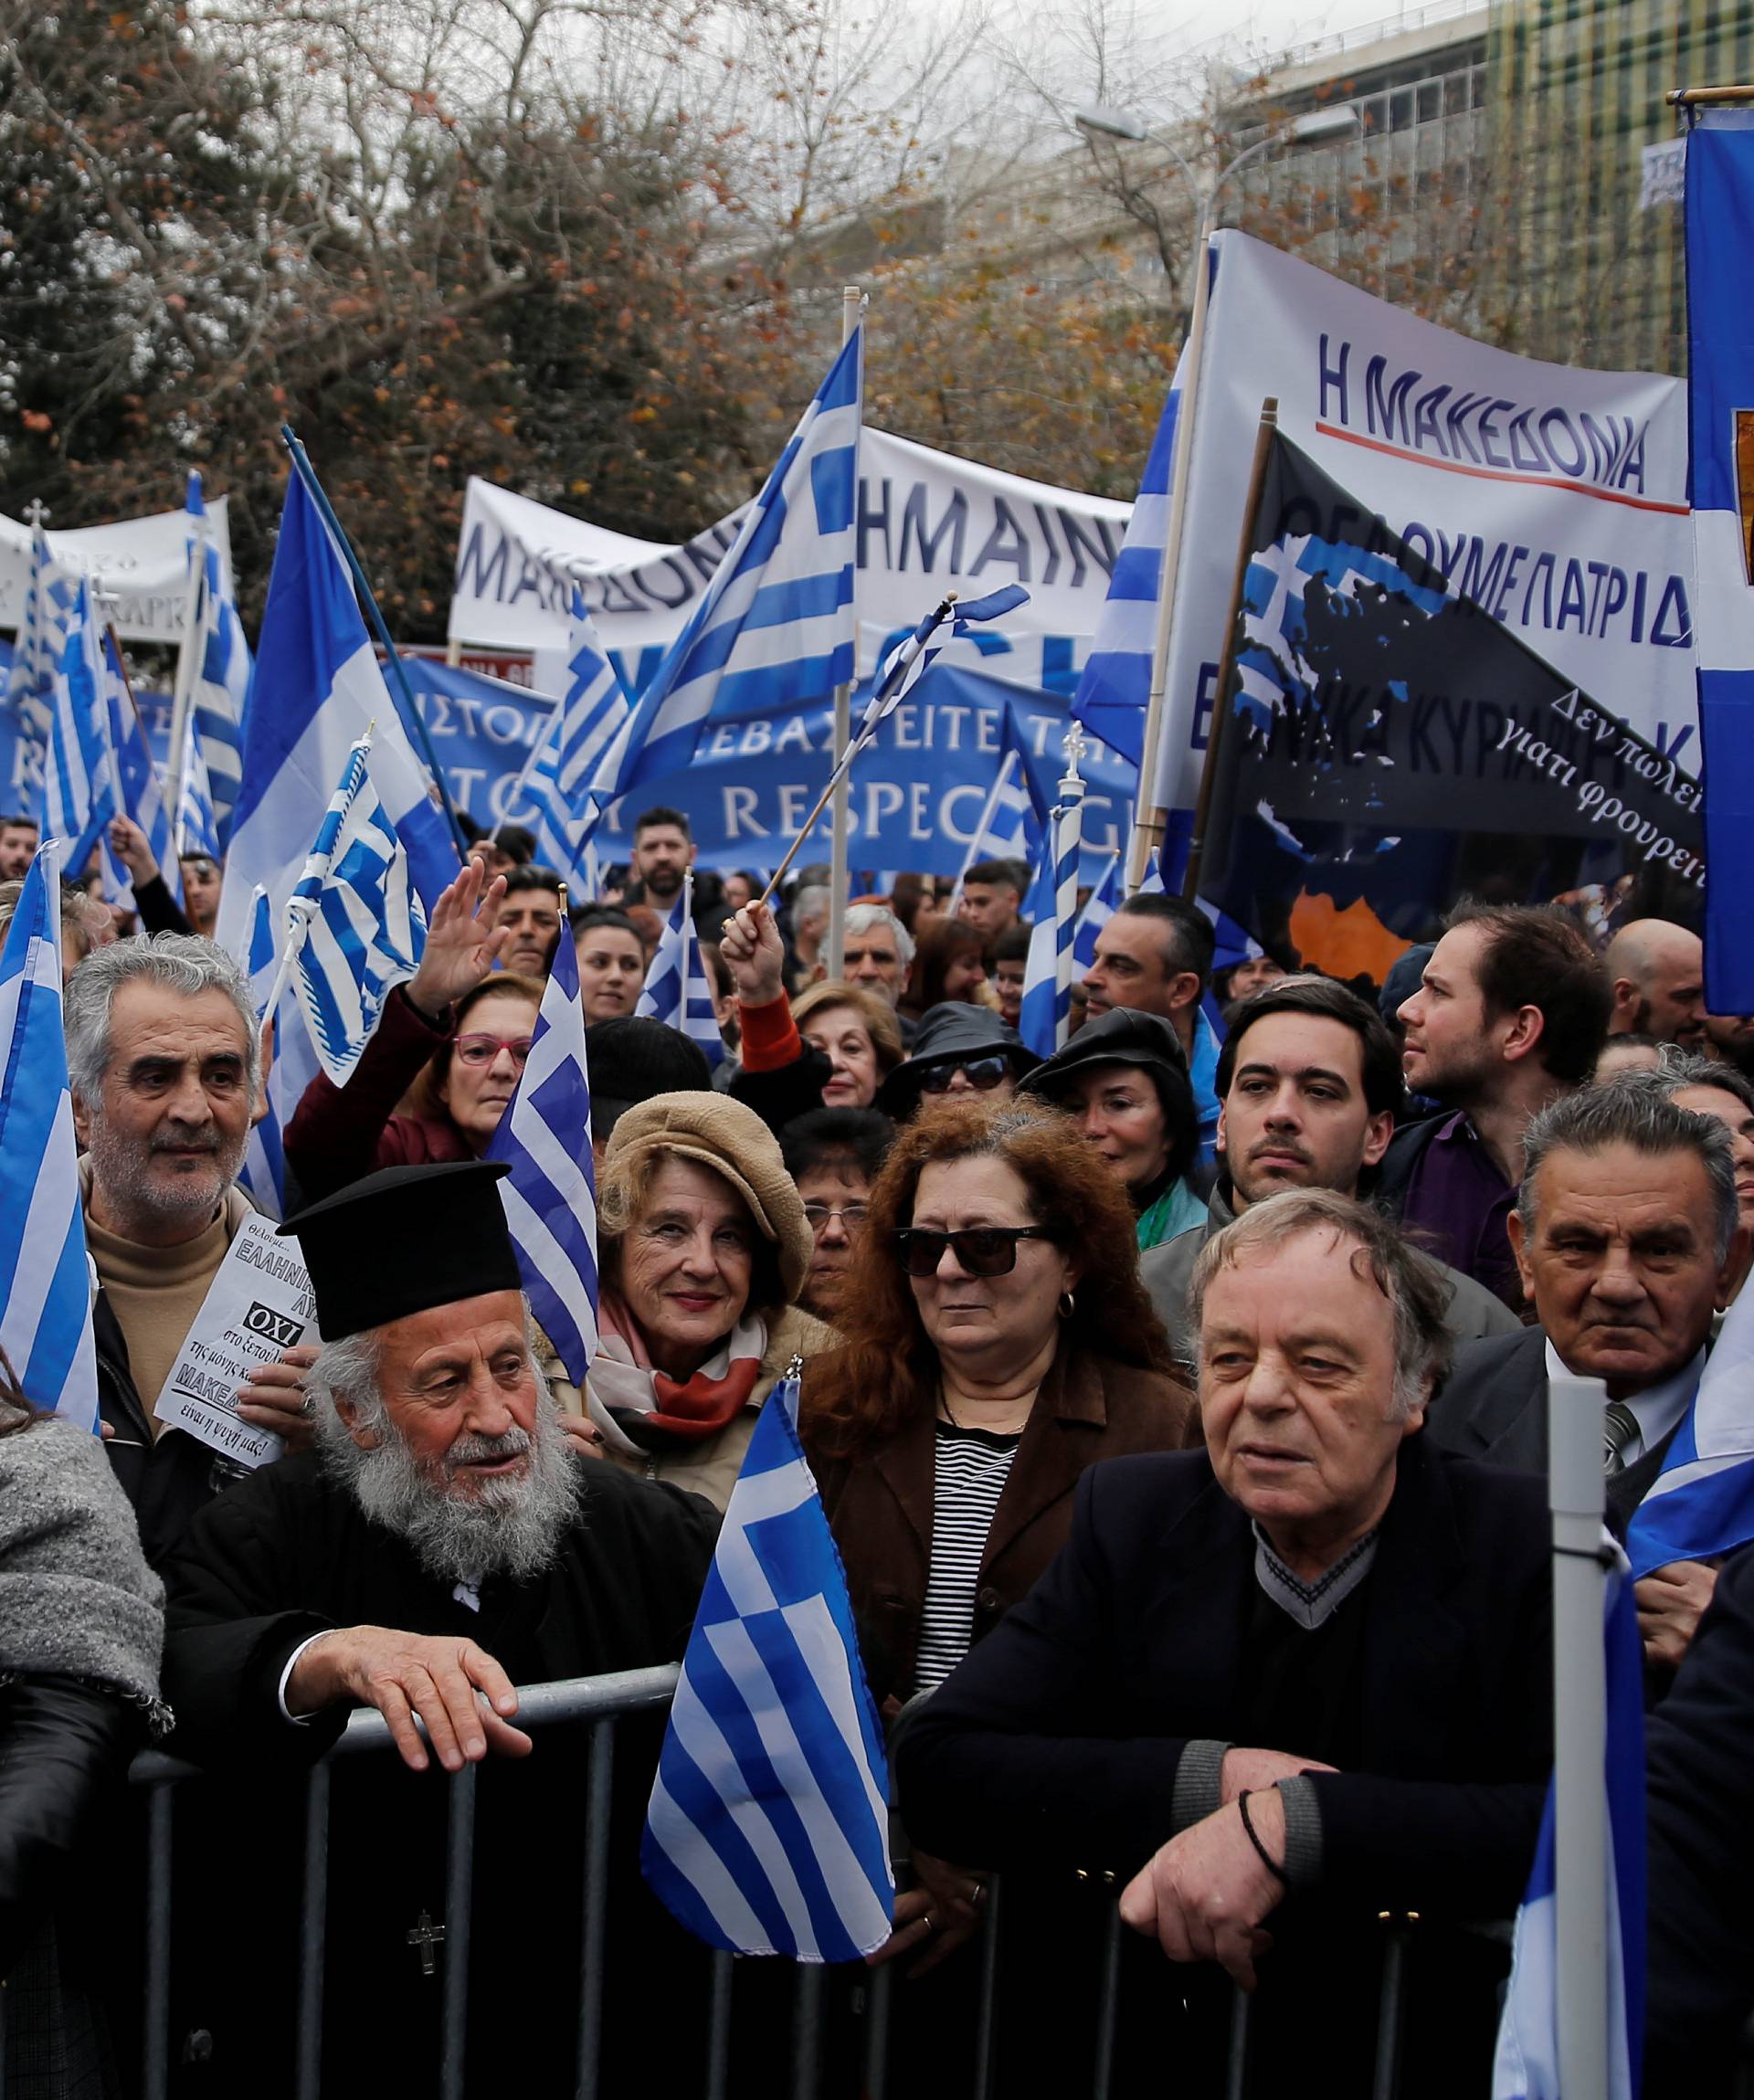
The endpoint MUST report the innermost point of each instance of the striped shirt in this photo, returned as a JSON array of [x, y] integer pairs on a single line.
[[968, 1477]]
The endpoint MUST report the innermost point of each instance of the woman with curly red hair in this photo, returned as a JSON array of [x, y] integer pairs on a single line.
[[997, 1342]]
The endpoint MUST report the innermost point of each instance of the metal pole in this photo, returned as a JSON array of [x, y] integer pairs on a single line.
[[182, 688], [156, 2072], [718, 2026], [1236, 2070], [807, 2031], [1574, 1443], [460, 1891], [879, 2011], [1149, 815], [596, 1906], [1385, 2082], [852, 300], [312, 1919], [986, 2054], [1108, 2004]]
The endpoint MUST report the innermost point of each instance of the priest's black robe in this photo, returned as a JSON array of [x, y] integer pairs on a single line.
[[289, 1554]]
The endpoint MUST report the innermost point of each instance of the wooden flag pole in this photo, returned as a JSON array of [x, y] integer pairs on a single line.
[[851, 303], [1222, 709], [183, 686]]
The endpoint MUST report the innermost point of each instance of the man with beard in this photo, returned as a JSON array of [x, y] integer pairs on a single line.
[[166, 1068], [442, 1545]]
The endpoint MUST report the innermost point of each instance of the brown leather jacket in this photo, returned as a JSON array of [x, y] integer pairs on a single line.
[[879, 1501]]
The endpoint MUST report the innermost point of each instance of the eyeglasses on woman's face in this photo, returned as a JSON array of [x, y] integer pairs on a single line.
[[481, 1049], [981, 1250], [983, 1073]]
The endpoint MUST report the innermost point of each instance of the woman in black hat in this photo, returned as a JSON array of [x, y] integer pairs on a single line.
[[1124, 1079]]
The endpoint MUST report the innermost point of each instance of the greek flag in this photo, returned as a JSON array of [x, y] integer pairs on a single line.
[[221, 683], [1099, 907], [1721, 420], [79, 768], [558, 781], [317, 687], [1702, 1502], [197, 829], [1045, 1019], [1116, 682], [1151, 883], [1527, 2065], [44, 1279], [768, 1824], [37, 649], [676, 991], [363, 930], [139, 791], [907, 663], [550, 1195], [263, 1174], [774, 629], [1013, 816]]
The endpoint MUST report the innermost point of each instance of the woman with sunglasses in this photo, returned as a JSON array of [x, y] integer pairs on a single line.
[[997, 1342], [441, 1065], [959, 1050]]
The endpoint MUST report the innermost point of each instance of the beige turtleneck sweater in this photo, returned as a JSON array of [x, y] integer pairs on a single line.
[[156, 1292]]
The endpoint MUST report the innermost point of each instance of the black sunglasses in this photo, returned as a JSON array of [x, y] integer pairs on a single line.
[[981, 1250], [983, 1073]]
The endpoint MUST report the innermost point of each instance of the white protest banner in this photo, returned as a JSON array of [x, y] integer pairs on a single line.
[[927, 522], [1553, 497], [257, 1307], [142, 563]]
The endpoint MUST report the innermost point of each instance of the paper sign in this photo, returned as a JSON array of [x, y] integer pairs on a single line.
[[258, 1306]]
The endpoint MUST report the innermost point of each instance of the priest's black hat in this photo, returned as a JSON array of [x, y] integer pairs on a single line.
[[404, 1241]]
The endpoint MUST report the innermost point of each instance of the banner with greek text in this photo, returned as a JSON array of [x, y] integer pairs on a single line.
[[142, 563], [1555, 498], [1388, 747], [928, 523]]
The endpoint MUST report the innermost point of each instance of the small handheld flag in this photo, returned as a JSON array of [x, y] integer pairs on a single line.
[[550, 1195], [676, 991], [767, 1831], [263, 1173]]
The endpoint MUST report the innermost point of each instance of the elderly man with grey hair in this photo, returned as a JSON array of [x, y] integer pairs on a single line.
[[165, 1065], [1630, 1243], [879, 952], [1310, 1661]]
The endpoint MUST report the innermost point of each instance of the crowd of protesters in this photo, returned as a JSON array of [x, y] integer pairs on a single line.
[[1177, 1403]]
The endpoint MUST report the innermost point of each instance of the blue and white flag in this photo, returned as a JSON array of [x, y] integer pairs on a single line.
[[1527, 2065], [44, 1279], [676, 990], [79, 768], [550, 1195], [1151, 883], [197, 829], [767, 1831], [775, 626], [36, 649], [1702, 1502], [357, 921], [558, 783], [220, 685], [1038, 1018], [1014, 816], [1115, 683], [139, 792], [1099, 907], [1720, 422], [263, 1174], [317, 688], [908, 662]]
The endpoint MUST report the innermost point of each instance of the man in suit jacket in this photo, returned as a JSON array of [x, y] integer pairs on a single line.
[[1627, 1236], [1298, 1680]]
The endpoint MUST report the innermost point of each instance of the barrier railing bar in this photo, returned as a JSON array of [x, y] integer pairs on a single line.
[[5, 2016], [314, 1917], [985, 2062], [597, 1906], [156, 2039], [460, 1891], [1236, 2071], [1387, 2080], [878, 2009], [574, 1699], [807, 2031], [1108, 2004], [718, 2026]]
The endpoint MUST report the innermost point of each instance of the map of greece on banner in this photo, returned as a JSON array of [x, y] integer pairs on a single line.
[[928, 523], [143, 563], [1555, 498]]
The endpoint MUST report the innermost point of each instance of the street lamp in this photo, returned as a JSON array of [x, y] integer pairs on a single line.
[[1332, 121]]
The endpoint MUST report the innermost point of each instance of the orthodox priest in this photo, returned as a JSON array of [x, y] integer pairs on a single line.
[[443, 1545]]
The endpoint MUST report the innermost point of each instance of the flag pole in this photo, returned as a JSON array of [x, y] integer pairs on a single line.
[[1575, 1496], [182, 687], [1150, 816], [851, 301], [301, 905], [1067, 845], [412, 715], [1221, 711], [989, 811]]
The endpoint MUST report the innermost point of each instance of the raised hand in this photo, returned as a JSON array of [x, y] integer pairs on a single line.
[[462, 942], [751, 945]]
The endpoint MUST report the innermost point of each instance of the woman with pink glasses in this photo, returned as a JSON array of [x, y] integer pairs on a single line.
[[442, 1065]]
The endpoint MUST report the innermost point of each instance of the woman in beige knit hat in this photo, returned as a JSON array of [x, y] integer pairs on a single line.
[[703, 1247]]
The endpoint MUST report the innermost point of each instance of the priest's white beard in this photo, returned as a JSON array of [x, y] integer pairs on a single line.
[[509, 1526]]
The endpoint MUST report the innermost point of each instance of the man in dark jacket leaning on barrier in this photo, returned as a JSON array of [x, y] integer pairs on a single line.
[[1278, 1689]]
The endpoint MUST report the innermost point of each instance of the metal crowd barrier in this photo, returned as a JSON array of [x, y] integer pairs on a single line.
[[603, 1701]]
